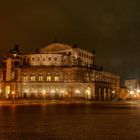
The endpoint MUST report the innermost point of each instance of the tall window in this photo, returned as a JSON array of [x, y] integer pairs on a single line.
[[49, 78], [56, 78], [49, 58], [25, 78], [40, 78], [55, 58], [13, 75], [32, 77]]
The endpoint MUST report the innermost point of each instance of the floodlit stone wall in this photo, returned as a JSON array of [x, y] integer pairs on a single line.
[[57, 72]]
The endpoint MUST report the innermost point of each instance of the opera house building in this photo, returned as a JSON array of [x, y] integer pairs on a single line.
[[56, 72]]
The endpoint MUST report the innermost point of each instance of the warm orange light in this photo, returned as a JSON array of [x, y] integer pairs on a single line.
[[43, 92], [77, 91]]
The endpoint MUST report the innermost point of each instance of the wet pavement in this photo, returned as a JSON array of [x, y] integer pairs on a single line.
[[70, 121]]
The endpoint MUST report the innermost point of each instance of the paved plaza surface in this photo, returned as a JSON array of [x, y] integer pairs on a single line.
[[68, 120]]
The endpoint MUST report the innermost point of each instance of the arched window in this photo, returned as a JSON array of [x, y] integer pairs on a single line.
[[56, 77], [25, 78], [49, 77], [40, 77], [32, 77]]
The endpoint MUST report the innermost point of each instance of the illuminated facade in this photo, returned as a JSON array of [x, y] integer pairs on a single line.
[[132, 84], [57, 71], [133, 87], [123, 94]]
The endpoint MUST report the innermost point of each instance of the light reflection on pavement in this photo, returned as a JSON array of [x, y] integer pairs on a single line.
[[70, 121]]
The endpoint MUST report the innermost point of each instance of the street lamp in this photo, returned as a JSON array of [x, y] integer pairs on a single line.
[[87, 94], [53, 93], [77, 91], [132, 94], [138, 90], [13, 97], [138, 93], [113, 94], [0, 92], [43, 92], [62, 93]]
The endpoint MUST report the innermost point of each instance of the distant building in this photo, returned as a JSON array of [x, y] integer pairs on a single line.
[[132, 84], [57, 71], [133, 87], [123, 94]]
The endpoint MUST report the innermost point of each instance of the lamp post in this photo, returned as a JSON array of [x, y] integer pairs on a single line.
[[43, 92], [87, 94], [113, 94], [138, 93], [13, 97], [62, 94], [138, 90], [132, 94], [52, 94], [0, 93], [77, 91]]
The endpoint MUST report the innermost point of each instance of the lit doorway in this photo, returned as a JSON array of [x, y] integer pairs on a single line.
[[7, 92]]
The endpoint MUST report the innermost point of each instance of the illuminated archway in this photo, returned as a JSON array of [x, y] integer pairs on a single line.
[[88, 93], [7, 91]]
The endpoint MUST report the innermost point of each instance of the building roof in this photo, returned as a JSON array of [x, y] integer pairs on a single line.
[[54, 47]]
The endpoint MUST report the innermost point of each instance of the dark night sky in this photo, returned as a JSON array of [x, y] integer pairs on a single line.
[[111, 28]]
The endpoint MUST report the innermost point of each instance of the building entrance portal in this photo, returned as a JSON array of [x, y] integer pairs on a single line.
[[7, 91], [88, 94]]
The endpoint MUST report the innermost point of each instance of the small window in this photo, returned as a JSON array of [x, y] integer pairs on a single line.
[[49, 58], [32, 78], [49, 78], [25, 78], [55, 58], [56, 78], [33, 59], [40, 78], [85, 55]]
